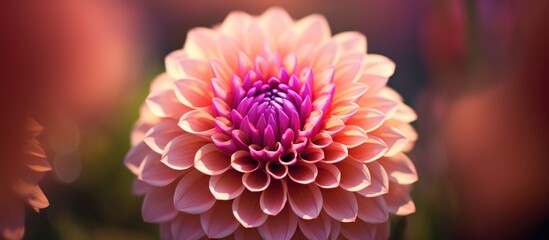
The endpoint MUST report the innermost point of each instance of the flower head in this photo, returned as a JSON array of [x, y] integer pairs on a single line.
[[269, 127], [22, 187]]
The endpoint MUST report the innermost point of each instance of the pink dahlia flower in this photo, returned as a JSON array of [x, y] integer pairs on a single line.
[[273, 128], [21, 185]]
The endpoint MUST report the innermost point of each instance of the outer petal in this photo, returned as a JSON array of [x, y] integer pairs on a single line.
[[161, 134], [340, 204], [193, 93], [370, 150], [158, 205], [12, 222], [192, 194], [280, 227], [380, 181], [155, 172], [165, 104], [187, 226], [247, 210], [179, 154], [198, 122], [395, 139], [273, 199], [329, 175], [305, 200], [218, 222], [372, 210], [209, 160], [318, 228], [400, 169], [351, 136], [368, 119], [360, 230], [227, 185], [354, 175], [398, 200]]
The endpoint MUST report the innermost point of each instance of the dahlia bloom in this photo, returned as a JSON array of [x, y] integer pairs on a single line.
[[266, 127], [23, 188]]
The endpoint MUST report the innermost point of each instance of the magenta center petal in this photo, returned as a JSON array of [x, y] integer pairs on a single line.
[[269, 115]]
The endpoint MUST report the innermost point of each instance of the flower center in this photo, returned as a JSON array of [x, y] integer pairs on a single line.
[[269, 110]]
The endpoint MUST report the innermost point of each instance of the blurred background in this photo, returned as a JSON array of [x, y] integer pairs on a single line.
[[475, 72]]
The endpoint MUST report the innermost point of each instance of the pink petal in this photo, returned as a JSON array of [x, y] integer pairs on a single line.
[[161, 134], [198, 122], [38, 164], [227, 185], [348, 72], [360, 230], [354, 175], [247, 210], [329, 175], [398, 200], [325, 55], [405, 114], [165, 104], [375, 83], [202, 43], [221, 71], [165, 231], [395, 139], [155, 172], [340, 204], [229, 50], [351, 42], [158, 205], [276, 170], [380, 181], [400, 169], [12, 221], [209, 160], [350, 92], [303, 172], [305, 200], [140, 188], [277, 21], [385, 105], [192, 194], [273, 199], [312, 29], [372, 210], [321, 140], [369, 151], [36, 198], [318, 228], [135, 157], [368, 119], [351, 136], [344, 110], [333, 126], [280, 227], [379, 65], [256, 181], [254, 46], [335, 230], [334, 153], [179, 154], [187, 226], [218, 222], [193, 93], [178, 66], [243, 162], [311, 155]]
